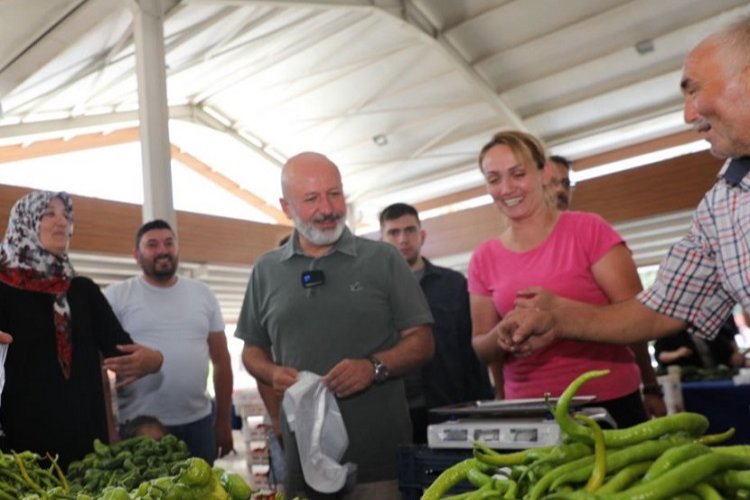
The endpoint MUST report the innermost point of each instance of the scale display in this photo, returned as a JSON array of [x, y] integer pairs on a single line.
[[508, 434]]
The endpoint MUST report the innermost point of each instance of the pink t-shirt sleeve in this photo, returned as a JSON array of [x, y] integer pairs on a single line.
[[599, 235]]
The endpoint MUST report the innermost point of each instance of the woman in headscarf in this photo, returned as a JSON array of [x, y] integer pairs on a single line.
[[60, 324]]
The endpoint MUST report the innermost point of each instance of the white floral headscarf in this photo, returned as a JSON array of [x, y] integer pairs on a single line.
[[22, 248]]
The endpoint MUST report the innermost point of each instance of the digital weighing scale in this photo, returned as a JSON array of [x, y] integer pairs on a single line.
[[504, 424]]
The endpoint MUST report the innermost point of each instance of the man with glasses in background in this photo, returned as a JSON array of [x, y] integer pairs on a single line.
[[557, 181]]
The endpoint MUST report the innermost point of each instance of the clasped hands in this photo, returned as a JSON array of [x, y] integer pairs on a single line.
[[530, 325]]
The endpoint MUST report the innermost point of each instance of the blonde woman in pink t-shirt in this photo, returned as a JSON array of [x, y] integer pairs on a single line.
[[572, 254]]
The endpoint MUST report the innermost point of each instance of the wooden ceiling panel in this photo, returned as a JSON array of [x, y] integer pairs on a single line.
[[667, 186]]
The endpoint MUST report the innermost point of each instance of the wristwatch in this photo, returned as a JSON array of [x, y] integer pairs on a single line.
[[381, 371]]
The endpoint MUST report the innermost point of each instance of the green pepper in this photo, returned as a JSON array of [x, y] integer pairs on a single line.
[[624, 477], [451, 477], [237, 488], [114, 493], [712, 439], [600, 455], [672, 457], [100, 448], [563, 454], [59, 472], [197, 474], [706, 492], [180, 491], [24, 473], [735, 449], [733, 479], [487, 455]]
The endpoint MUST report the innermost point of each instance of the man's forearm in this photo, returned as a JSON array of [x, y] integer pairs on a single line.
[[627, 322], [415, 348], [223, 382], [258, 363]]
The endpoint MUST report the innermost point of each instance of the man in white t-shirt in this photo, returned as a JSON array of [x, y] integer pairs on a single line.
[[181, 317]]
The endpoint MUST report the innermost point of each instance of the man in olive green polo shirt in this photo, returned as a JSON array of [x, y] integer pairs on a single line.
[[343, 307]]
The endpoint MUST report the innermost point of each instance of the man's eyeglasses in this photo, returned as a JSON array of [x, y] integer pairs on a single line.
[[565, 183]]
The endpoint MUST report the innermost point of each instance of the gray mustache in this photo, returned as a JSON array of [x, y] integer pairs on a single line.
[[333, 217]]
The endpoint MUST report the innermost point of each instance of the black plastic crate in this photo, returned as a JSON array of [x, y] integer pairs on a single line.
[[419, 465]]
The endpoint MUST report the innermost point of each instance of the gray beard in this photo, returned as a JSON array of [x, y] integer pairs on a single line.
[[316, 236]]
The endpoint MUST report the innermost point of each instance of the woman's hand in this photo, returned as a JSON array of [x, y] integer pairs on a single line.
[[5, 338], [138, 361], [536, 297]]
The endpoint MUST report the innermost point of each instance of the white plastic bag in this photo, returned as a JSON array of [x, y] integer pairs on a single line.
[[313, 415]]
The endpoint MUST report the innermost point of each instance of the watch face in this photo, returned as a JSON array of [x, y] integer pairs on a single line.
[[381, 372]]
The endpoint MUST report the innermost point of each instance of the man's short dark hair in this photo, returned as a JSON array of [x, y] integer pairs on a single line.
[[148, 226], [396, 211], [561, 160]]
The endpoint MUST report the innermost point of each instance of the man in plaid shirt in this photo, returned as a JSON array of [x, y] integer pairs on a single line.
[[708, 271]]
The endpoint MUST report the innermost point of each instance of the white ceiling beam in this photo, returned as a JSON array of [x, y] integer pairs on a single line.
[[413, 16], [192, 113], [200, 116], [266, 63], [59, 128]]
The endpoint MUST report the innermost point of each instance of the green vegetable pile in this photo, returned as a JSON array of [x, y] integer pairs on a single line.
[[665, 458], [142, 468], [134, 469], [23, 474], [127, 463]]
